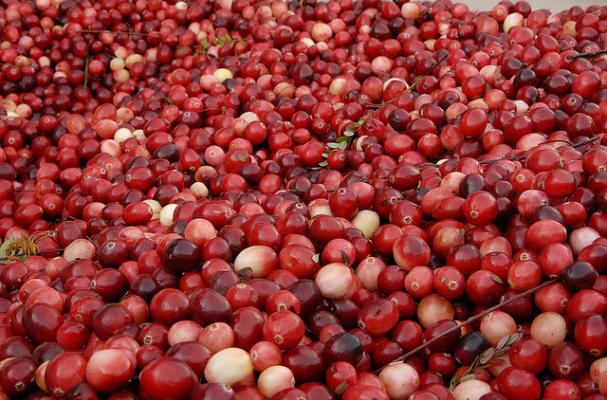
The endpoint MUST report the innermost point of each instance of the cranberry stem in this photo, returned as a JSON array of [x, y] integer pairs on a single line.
[[588, 54], [86, 72], [524, 157], [117, 32], [469, 321]]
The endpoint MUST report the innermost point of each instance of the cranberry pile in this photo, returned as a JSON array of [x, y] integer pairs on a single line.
[[302, 199]]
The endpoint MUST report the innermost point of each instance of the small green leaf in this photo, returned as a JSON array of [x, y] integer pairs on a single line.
[[169, 100], [515, 337], [323, 163], [4, 248], [486, 355], [333, 145], [224, 39], [497, 279], [502, 342], [453, 383], [349, 133], [342, 139]]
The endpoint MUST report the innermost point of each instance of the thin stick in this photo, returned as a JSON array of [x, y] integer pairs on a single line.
[[118, 32], [587, 54], [581, 144], [521, 158], [469, 321], [86, 72], [518, 158]]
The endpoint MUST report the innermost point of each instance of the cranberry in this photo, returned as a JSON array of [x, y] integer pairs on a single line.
[[168, 378], [565, 361], [181, 255], [579, 275], [516, 382]]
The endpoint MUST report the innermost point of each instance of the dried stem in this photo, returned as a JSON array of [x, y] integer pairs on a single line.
[[470, 320], [517, 158], [86, 72], [132, 33], [524, 157], [587, 54], [487, 357]]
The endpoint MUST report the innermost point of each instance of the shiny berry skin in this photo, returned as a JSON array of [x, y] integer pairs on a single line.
[[579, 275], [168, 378], [344, 203], [529, 355], [480, 208], [590, 334], [565, 361], [343, 347], [379, 317], [181, 255], [284, 328], [517, 383]]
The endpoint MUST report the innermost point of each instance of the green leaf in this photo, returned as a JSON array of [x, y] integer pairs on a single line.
[[323, 163], [348, 133], [224, 39], [497, 279], [515, 337], [4, 249], [342, 139], [204, 47], [333, 145], [453, 383], [502, 342], [486, 355]]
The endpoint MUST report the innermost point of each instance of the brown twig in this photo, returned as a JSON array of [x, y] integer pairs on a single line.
[[469, 321], [517, 158], [118, 32], [86, 72], [587, 54], [584, 143], [487, 358], [524, 157]]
